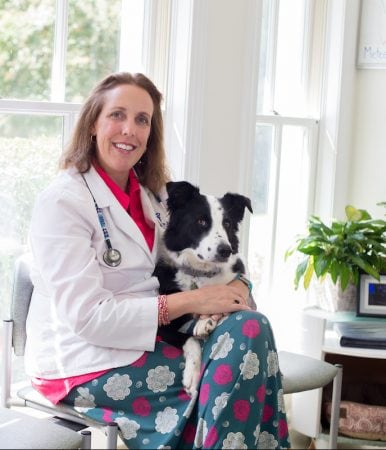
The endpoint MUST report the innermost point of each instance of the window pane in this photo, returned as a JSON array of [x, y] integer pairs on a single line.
[[29, 150], [280, 198], [289, 97], [293, 196], [26, 48], [93, 45], [260, 231], [264, 101]]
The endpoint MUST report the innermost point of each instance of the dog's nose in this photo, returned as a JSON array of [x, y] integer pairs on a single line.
[[223, 251]]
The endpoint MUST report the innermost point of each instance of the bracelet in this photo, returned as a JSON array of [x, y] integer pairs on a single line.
[[163, 312], [245, 280]]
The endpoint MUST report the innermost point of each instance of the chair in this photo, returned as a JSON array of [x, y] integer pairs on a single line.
[[19, 430], [14, 339], [302, 373]]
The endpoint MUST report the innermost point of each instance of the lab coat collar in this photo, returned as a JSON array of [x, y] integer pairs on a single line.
[[106, 199]]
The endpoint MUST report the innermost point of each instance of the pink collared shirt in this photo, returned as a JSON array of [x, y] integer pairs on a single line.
[[56, 389]]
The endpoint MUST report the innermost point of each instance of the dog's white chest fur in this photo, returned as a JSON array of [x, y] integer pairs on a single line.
[[192, 280]]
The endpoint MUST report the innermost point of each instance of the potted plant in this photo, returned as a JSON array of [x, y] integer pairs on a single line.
[[341, 250]]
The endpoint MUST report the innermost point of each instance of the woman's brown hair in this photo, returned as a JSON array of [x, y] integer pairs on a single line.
[[80, 152]]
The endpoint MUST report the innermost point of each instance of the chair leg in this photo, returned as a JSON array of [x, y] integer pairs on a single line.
[[335, 407], [86, 439], [112, 435], [6, 364]]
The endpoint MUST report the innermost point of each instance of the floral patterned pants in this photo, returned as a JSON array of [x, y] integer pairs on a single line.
[[239, 404]]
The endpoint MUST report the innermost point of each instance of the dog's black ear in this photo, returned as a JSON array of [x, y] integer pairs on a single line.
[[180, 193], [235, 205]]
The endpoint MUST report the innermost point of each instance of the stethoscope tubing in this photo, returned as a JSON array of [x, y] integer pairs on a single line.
[[112, 257]]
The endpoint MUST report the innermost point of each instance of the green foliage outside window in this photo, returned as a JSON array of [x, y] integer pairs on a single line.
[[27, 30], [27, 166], [26, 48]]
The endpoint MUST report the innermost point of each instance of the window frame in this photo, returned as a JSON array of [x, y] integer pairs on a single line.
[[156, 27], [315, 16]]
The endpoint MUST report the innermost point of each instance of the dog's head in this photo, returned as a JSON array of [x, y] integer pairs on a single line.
[[202, 229]]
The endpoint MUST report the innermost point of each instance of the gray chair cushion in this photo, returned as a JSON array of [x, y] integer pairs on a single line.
[[20, 430], [302, 373]]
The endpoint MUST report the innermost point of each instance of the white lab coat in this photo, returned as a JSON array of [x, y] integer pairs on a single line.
[[86, 316]]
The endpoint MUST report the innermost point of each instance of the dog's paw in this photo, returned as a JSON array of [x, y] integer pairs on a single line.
[[191, 375], [204, 327]]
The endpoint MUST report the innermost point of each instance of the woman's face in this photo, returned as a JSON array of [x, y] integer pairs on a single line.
[[122, 130]]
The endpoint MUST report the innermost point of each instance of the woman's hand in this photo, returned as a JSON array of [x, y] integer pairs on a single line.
[[241, 286], [208, 300]]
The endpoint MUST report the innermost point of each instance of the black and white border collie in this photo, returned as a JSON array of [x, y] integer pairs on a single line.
[[200, 247]]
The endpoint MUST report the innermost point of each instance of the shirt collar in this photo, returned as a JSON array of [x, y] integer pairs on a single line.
[[123, 197]]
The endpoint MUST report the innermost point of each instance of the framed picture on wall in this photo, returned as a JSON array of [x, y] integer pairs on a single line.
[[371, 52], [372, 296]]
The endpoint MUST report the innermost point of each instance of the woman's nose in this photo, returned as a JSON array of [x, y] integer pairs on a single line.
[[128, 128]]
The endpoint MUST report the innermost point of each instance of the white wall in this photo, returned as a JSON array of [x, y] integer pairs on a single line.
[[368, 165], [212, 116], [223, 133]]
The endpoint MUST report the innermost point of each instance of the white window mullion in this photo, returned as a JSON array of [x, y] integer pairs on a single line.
[[272, 45], [35, 107], [157, 36], [273, 199], [268, 47], [58, 75], [313, 154]]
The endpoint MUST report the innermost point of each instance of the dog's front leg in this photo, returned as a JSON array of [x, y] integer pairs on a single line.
[[191, 376], [204, 326]]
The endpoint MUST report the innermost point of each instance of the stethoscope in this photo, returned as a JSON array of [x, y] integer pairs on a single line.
[[112, 257]]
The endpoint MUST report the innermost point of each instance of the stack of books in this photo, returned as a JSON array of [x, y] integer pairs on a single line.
[[362, 334]]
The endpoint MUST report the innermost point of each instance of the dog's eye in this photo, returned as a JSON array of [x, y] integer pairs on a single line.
[[227, 224], [202, 222]]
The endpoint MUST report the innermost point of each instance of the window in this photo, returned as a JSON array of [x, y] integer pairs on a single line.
[[51, 54], [286, 142]]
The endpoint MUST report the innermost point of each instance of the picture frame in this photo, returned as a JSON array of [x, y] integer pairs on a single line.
[[371, 44], [371, 296]]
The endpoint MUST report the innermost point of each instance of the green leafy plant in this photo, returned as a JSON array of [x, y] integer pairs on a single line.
[[343, 249]]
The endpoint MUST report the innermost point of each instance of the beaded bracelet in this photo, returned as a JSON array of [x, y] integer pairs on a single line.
[[244, 280], [163, 312]]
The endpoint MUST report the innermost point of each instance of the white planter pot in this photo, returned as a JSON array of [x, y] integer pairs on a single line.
[[330, 297]]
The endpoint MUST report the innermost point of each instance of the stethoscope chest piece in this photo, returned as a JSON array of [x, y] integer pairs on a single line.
[[112, 257]]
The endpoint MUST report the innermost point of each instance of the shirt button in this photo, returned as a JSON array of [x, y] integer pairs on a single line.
[[147, 275]]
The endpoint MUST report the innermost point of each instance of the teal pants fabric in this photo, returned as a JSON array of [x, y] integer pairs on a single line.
[[239, 403]]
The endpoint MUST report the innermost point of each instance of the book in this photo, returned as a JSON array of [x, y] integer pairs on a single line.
[[362, 334]]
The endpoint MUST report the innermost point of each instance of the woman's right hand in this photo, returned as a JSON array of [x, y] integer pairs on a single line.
[[207, 300]]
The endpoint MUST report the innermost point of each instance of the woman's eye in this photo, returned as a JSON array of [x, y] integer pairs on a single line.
[[143, 120], [202, 222], [117, 115]]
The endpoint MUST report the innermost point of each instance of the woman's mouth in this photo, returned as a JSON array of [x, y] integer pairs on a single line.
[[125, 147]]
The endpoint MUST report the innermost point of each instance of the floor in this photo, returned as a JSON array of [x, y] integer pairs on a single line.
[[298, 441]]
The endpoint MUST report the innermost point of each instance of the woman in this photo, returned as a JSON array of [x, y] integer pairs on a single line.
[[92, 325]]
